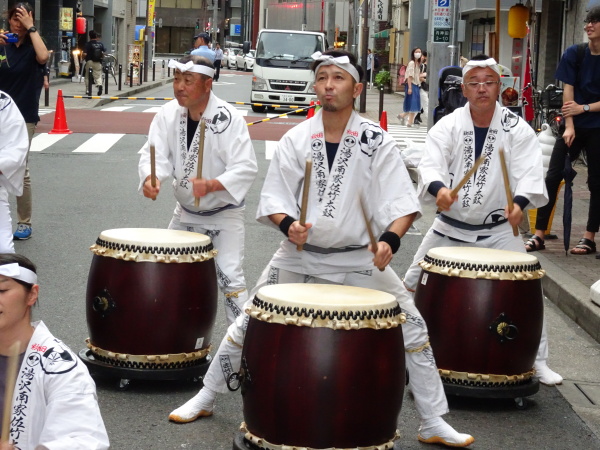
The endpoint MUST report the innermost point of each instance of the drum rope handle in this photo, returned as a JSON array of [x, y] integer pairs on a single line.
[[418, 349]]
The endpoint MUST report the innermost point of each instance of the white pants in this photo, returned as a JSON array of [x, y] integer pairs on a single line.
[[424, 105], [502, 241], [228, 238], [6, 234], [424, 380]]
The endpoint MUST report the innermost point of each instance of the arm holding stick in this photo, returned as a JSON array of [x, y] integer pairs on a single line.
[[304, 206], [200, 157], [509, 198]]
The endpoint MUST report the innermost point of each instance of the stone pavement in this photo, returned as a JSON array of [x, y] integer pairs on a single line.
[[568, 277]]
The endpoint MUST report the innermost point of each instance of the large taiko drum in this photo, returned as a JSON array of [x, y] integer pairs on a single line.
[[484, 313], [151, 298], [323, 367]]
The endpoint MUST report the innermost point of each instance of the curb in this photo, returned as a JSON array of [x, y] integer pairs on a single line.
[[571, 296]]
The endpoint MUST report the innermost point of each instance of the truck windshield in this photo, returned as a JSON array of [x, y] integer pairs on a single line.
[[287, 50]]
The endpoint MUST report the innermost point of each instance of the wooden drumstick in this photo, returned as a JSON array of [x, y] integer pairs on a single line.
[[369, 230], [11, 380], [509, 198], [304, 206], [468, 175], [153, 167], [200, 156]]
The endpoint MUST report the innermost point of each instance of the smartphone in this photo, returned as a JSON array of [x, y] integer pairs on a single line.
[[12, 37]]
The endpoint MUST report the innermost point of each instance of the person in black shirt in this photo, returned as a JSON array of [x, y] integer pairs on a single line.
[[21, 64], [93, 53]]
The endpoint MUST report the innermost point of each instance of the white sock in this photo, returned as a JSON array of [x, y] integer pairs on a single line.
[[438, 428], [546, 375], [202, 401]]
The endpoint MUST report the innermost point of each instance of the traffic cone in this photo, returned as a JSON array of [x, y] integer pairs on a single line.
[[311, 110], [60, 118], [383, 120]]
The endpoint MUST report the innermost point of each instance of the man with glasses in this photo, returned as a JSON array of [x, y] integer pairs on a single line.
[[478, 215], [579, 70]]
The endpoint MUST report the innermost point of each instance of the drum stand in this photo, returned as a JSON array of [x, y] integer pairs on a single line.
[[241, 443], [517, 392], [126, 374]]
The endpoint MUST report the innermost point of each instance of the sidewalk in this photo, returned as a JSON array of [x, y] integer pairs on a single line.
[[568, 277]]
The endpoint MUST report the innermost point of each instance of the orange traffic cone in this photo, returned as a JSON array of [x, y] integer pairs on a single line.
[[383, 120], [60, 118], [311, 110]]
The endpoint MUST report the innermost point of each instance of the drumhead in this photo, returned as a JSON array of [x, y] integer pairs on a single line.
[[475, 262], [326, 305], [154, 244]]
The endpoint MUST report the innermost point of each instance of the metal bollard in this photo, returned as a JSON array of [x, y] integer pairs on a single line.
[[168, 72], [105, 80], [47, 96], [90, 81], [153, 70], [120, 75], [131, 75], [380, 100], [141, 72], [162, 72]]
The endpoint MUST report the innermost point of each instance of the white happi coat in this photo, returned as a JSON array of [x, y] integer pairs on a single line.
[[450, 153], [367, 163], [54, 403], [14, 143], [228, 156]]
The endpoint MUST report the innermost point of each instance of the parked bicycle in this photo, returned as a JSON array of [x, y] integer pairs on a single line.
[[109, 65]]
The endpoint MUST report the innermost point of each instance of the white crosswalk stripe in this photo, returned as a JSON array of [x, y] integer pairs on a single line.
[[44, 140], [43, 111], [403, 134], [99, 143]]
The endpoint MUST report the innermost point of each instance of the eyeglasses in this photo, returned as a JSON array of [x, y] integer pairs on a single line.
[[485, 84], [591, 21]]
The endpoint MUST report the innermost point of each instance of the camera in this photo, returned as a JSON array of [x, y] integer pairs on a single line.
[[12, 37]]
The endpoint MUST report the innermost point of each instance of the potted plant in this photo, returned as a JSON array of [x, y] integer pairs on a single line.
[[383, 80]]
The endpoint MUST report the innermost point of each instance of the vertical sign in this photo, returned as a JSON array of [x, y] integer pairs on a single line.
[[133, 57], [150, 15], [65, 22], [380, 10]]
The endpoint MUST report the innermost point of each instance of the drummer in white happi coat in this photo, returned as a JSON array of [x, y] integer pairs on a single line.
[[228, 170], [352, 157], [13, 160], [478, 215]]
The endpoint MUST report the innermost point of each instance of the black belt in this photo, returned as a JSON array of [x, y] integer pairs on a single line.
[[467, 226], [326, 251], [212, 212]]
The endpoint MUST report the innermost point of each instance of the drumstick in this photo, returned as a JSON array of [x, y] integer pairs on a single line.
[[11, 379], [507, 187], [468, 175], [200, 157], [368, 225], [304, 207], [153, 167]]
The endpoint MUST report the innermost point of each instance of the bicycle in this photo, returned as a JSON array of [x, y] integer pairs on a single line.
[[109, 63]]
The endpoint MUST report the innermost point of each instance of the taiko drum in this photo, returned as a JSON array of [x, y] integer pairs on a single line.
[[322, 367], [484, 313], [151, 298]]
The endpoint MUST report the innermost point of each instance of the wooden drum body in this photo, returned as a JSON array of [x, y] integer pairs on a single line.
[[484, 313], [322, 367], [151, 298]]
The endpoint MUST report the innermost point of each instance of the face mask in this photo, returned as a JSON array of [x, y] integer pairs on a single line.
[[417, 55]]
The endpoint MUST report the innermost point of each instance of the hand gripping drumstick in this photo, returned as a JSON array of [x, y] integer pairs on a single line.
[[11, 379], [200, 157], [153, 167], [509, 198], [307, 172], [468, 175], [369, 230]]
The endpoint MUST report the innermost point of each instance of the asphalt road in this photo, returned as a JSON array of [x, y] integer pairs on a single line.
[[78, 195]]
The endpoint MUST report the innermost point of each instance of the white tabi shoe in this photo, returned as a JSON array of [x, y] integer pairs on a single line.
[[546, 375], [201, 405], [437, 431]]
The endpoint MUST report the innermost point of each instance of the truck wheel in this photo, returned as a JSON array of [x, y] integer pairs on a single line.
[[259, 109]]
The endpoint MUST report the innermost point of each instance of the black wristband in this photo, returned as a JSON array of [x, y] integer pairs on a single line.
[[392, 239], [285, 224]]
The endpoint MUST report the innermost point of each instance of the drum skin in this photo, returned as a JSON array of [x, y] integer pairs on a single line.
[[322, 388], [459, 313], [157, 308]]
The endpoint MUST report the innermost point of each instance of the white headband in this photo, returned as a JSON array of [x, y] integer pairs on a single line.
[[343, 62], [490, 62], [191, 67], [17, 272]]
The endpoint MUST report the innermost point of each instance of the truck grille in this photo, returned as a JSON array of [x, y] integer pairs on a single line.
[[287, 86]]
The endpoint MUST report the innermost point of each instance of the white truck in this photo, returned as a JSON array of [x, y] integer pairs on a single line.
[[281, 74]]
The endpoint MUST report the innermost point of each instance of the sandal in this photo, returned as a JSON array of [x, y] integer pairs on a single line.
[[584, 247], [534, 243]]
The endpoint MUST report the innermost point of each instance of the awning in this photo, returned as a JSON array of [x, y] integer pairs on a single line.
[[382, 34]]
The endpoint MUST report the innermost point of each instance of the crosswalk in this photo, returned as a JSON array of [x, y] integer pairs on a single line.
[[404, 136]]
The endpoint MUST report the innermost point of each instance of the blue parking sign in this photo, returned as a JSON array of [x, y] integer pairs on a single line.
[[443, 3], [237, 30]]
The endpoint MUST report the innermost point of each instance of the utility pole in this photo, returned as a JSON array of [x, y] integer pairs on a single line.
[[215, 19], [363, 53], [148, 40]]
